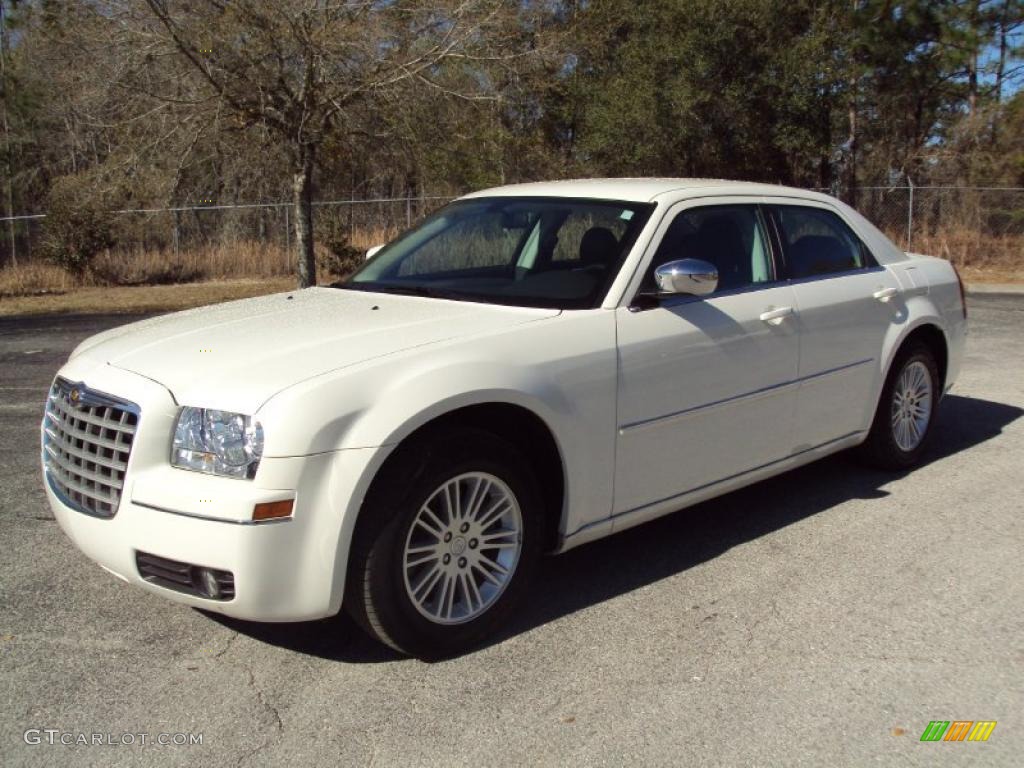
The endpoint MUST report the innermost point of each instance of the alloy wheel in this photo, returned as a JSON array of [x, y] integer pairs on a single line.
[[462, 548], [911, 405]]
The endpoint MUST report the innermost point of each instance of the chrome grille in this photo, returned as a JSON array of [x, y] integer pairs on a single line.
[[87, 439]]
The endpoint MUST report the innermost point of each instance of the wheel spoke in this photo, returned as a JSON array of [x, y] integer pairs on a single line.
[[496, 510], [428, 520], [412, 562], [417, 550], [474, 590], [500, 540], [449, 602], [494, 565], [424, 587], [465, 598], [442, 595], [920, 380], [448, 506], [477, 499], [487, 574]]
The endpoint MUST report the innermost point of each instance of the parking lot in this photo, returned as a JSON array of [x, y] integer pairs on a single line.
[[820, 618]]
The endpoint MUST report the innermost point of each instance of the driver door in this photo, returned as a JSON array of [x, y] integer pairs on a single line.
[[707, 386]]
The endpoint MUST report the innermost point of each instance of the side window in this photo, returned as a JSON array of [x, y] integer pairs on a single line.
[[729, 236], [818, 242]]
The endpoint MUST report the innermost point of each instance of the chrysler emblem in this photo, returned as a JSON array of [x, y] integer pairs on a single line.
[[75, 395]]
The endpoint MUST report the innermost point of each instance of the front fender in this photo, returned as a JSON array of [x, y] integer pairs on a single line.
[[562, 370]]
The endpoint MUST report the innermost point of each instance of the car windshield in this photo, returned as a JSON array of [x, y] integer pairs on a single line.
[[542, 252]]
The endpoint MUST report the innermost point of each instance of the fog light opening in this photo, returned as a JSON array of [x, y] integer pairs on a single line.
[[206, 582]]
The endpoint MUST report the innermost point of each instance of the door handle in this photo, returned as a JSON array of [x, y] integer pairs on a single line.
[[884, 294], [776, 316]]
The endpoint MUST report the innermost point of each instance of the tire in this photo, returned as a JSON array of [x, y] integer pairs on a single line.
[[898, 436], [416, 581]]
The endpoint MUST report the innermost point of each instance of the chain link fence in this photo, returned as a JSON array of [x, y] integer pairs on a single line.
[[947, 221], [174, 231], [977, 226]]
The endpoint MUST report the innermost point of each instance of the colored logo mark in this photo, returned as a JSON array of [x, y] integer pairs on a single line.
[[958, 730]]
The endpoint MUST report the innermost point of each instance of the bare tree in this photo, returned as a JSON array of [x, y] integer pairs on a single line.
[[5, 125], [306, 68]]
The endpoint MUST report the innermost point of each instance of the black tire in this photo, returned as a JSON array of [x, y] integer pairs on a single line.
[[881, 448], [376, 595]]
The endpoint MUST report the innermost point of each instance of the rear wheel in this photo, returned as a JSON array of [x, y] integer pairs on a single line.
[[446, 544], [906, 410]]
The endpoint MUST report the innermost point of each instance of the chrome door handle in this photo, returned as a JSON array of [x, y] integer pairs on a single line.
[[884, 294], [776, 316]]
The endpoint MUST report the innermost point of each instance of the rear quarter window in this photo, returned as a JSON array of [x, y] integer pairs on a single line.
[[817, 242]]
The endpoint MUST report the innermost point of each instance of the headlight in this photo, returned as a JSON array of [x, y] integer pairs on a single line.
[[217, 442]]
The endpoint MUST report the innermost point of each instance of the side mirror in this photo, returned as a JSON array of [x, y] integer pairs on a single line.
[[371, 251], [688, 276]]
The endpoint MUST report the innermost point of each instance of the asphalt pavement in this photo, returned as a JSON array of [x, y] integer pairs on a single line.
[[823, 617]]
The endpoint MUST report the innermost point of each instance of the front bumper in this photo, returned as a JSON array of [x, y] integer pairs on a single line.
[[292, 569], [283, 571]]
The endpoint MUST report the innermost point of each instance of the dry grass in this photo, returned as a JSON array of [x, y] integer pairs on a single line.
[[35, 278], [242, 260], [365, 239], [137, 299], [158, 280], [977, 254], [219, 262], [162, 280]]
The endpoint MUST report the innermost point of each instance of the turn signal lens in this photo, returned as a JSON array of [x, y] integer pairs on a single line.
[[271, 510]]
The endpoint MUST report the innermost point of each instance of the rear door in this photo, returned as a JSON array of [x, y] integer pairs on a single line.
[[706, 385], [845, 305]]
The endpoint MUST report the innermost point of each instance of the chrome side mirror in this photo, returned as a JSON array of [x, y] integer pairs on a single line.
[[371, 251], [689, 276]]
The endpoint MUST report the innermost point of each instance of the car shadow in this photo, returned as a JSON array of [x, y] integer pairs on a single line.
[[672, 544]]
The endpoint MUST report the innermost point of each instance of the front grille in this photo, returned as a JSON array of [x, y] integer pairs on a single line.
[[211, 583], [87, 439]]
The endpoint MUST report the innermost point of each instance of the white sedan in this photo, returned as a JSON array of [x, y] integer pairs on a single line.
[[531, 368]]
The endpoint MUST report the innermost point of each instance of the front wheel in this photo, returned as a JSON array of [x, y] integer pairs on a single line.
[[905, 412], [447, 542]]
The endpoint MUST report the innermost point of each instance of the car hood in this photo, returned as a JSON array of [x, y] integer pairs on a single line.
[[237, 355]]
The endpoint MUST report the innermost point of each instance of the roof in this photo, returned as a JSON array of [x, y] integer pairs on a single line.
[[640, 190]]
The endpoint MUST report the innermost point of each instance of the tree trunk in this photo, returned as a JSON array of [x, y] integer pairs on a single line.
[[1004, 46], [850, 175], [9, 186], [302, 205], [972, 59], [1004, 19], [972, 85], [851, 159]]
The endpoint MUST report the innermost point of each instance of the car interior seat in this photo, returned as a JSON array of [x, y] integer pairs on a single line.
[[719, 242], [819, 255], [598, 247]]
